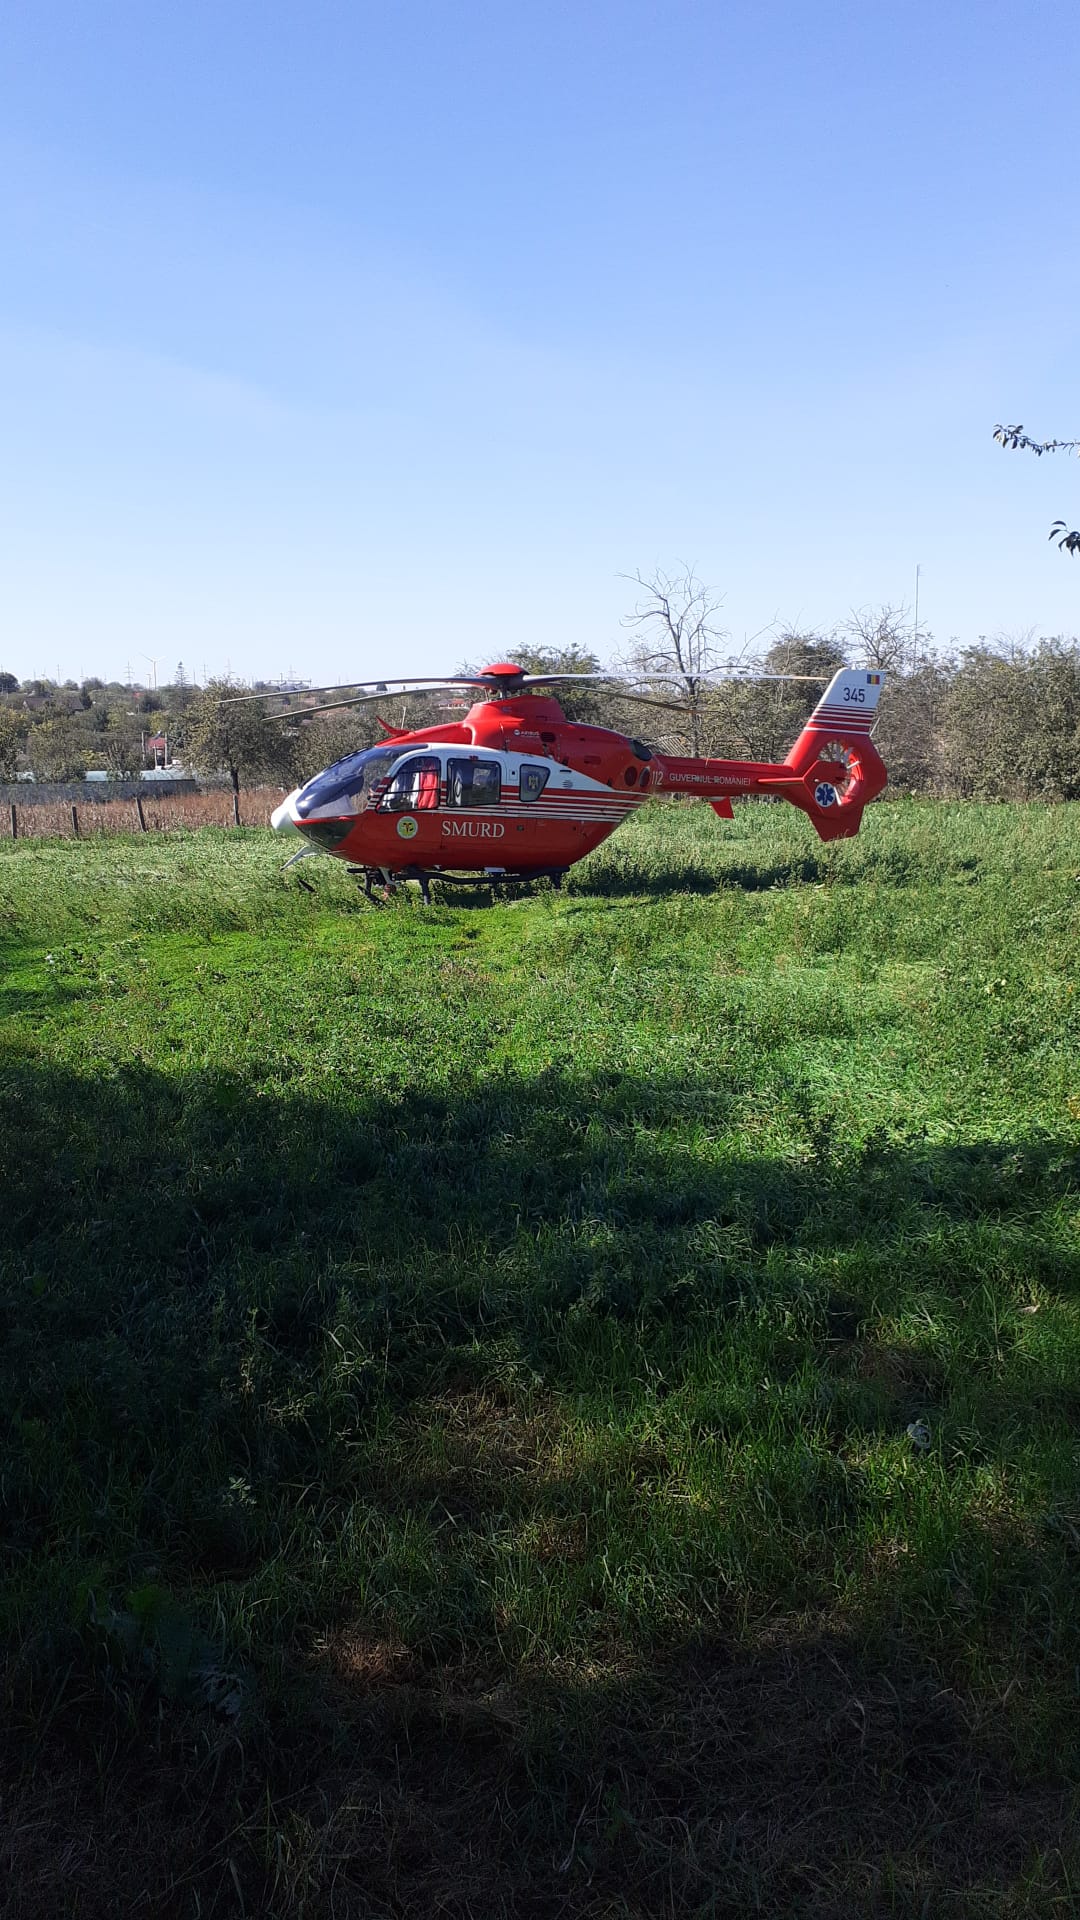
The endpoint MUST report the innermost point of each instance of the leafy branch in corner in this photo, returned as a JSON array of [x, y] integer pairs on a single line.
[[1013, 437]]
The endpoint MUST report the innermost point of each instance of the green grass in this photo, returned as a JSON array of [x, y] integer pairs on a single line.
[[458, 1367]]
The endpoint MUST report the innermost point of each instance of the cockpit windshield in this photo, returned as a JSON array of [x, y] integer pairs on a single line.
[[349, 781]]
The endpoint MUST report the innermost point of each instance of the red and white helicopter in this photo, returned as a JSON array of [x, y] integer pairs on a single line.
[[514, 790]]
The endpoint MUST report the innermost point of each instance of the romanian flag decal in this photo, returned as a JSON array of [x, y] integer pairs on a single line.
[[873, 679]]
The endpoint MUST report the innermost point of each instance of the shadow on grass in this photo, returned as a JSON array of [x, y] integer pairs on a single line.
[[617, 875], [622, 878], [627, 878], [512, 1209], [808, 1777], [236, 1324]]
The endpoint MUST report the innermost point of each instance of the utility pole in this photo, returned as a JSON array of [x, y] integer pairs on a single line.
[[915, 642]]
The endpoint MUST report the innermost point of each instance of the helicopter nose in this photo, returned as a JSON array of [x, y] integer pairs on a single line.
[[282, 819]]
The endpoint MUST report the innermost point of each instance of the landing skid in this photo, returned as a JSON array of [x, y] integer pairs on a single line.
[[390, 881]]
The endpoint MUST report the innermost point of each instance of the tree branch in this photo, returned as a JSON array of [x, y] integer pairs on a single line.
[[1014, 437]]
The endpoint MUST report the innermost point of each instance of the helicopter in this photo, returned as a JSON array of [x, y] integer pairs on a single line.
[[513, 790]]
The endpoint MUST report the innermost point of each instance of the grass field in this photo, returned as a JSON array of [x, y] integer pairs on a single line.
[[567, 1407]]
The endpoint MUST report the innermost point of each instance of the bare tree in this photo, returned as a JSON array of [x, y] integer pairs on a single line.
[[677, 638], [1013, 437], [881, 637]]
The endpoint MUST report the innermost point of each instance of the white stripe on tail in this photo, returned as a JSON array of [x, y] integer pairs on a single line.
[[849, 701]]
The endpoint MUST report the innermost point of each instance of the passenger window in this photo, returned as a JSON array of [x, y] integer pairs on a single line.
[[473, 783], [415, 785], [532, 782]]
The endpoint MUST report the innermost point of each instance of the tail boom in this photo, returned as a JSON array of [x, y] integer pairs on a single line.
[[831, 773]]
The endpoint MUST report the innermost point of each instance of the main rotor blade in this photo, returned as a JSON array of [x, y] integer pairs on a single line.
[[644, 700], [672, 679], [736, 675], [378, 699], [561, 679], [357, 700], [334, 706], [238, 699], [423, 683], [502, 683]]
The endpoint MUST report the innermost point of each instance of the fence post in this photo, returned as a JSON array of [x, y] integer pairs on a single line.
[[14, 826], [74, 819], [139, 811]]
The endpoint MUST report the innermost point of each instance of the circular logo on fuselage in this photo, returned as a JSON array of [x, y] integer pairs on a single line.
[[407, 826], [825, 794]]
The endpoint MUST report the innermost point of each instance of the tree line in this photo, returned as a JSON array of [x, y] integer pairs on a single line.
[[996, 720]]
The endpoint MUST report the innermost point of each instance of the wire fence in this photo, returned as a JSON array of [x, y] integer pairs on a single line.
[[146, 813]]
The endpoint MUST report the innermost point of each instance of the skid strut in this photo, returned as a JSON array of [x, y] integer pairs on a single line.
[[389, 881]]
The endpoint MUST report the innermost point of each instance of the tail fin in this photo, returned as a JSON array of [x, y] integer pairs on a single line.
[[835, 769]]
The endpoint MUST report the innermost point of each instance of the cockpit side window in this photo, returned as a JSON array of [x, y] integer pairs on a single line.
[[532, 781], [348, 782], [473, 783], [415, 785]]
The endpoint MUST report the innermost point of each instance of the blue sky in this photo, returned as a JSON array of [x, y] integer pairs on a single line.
[[372, 338]]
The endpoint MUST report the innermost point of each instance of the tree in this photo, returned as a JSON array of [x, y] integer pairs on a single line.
[[119, 744], [567, 659], [57, 751], [795, 670], [881, 637], [319, 743], [678, 640], [8, 683], [1013, 437], [241, 740], [1011, 723], [1050, 758], [584, 704], [10, 745], [910, 727]]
